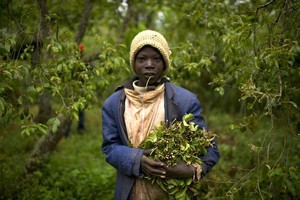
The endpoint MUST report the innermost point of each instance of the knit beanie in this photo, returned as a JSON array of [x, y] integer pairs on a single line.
[[154, 39]]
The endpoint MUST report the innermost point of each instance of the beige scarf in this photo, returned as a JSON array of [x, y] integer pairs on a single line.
[[143, 111]]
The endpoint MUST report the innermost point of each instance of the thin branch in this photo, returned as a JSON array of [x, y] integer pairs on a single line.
[[83, 21], [263, 6], [281, 154], [92, 57], [246, 176], [125, 24], [280, 12], [126, 20], [254, 27], [44, 28]]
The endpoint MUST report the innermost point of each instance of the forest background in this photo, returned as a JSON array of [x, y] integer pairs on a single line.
[[61, 58]]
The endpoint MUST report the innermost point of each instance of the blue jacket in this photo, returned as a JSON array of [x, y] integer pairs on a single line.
[[127, 160]]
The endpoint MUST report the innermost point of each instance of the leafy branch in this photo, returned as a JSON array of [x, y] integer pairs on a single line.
[[181, 141]]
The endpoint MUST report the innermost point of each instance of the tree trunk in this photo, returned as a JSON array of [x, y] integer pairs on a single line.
[[126, 20], [46, 145], [45, 108], [83, 21]]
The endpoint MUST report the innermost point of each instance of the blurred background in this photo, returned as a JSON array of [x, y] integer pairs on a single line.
[[60, 59]]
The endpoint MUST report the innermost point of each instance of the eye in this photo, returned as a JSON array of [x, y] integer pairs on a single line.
[[140, 59], [157, 59]]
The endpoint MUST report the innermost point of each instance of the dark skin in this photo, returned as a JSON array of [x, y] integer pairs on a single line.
[[161, 170], [150, 63]]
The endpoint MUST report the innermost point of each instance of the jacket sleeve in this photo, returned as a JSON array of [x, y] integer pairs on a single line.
[[124, 158], [212, 156]]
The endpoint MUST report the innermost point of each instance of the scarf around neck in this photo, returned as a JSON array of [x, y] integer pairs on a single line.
[[143, 111]]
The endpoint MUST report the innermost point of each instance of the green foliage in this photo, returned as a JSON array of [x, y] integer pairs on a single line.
[[181, 141], [72, 84], [76, 170], [239, 57], [79, 176], [251, 165]]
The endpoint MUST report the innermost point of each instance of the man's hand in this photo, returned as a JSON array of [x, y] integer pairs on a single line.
[[152, 167], [180, 170]]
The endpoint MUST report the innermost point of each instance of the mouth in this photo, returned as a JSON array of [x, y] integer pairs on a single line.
[[147, 75]]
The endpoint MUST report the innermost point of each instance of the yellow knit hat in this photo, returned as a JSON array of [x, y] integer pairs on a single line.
[[154, 39]]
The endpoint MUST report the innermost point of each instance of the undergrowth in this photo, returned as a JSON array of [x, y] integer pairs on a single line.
[[261, 163], [76, 170]]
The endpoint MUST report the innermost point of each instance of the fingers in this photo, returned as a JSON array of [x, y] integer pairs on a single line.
[[155, 172], [180, 170], [153, 168], [147, 152]]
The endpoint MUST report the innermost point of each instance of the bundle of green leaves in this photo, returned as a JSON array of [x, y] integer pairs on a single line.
[[181, 141]]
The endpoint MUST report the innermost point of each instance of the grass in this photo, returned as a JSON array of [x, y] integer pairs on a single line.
[[77, 169]]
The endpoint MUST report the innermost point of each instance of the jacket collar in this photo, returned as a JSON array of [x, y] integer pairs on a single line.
[[128, 84], [171, 107]]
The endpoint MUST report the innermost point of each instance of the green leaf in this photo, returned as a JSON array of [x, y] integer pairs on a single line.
[[290, 187], [2, 105], [42, 128], [275, 172], [220, 90], [186, 118], [181, 194], [189, 181], [193, 127], [7, 74], [54, 124]]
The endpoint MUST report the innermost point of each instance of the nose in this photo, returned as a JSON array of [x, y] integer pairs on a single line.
[[149, 63]]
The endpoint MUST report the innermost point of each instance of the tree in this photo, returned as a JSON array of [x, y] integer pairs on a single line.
[[240, 57], [48, 142], [50, 68]]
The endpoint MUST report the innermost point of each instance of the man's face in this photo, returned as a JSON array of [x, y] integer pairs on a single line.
[[149, 63]]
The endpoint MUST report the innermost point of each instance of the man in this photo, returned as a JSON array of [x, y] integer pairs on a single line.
[[134, 109]]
